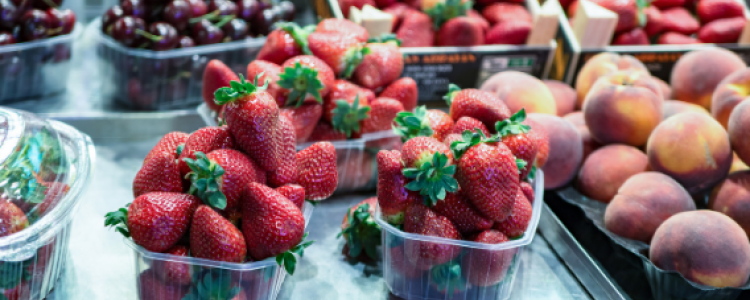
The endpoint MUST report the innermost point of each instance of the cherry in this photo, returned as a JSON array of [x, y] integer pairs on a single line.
[[134, 8], [225, 7], [109, 18], [9, 14], [46, 4], [35, 25], [6, 38], [287, 10], [178, 13], [186, 42], [165, 36], [261, 25], [247, 9], [125, 30], [61, 21], [198, 8], [205, 33], [235, 30]]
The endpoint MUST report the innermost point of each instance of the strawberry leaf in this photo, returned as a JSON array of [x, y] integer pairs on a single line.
[[513, 126], [212, 284], [118, 220], [444, 11], [298, 34], [468, 139], [352, 58], [452, 90], [300, 80], [432, 179], [520, 164], [205, 177], [347, 117], [288, 260], [238, 89], [361, 232], [447, 278], [385, 38], [412, 124], [532, 173]]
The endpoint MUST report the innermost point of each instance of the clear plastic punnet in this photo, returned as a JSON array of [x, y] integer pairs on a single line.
[[44, 168], [476, 271]]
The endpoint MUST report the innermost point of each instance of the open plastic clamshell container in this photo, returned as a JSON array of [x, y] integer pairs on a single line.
[[44, 168], [477, 271], [169, 277], [355, 158]]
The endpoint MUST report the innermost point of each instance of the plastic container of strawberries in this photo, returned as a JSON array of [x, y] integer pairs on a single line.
[[45, 167], [36, 69], [410, 282], [161, 80], [260, 280]]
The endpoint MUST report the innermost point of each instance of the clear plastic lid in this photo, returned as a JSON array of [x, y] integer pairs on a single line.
[[44, 166]]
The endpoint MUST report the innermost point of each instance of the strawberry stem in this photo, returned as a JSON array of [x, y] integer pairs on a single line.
[[513, 125], [301, 80], [452, 90], [288, 260], [118, 220], [298, 34], [412, 124], [432, 179], [238, 89], [353, 58], [347, 117], [205, 178], [362, 233]]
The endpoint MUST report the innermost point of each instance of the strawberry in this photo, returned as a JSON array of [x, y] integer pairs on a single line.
[[21, 291], [416, 30], [316, 170], [304, 119], [150, 287], [460, 31], [470, 124], [679, 20], [404, 90], [215, 76], [346, 5], [360, 230], [204, 140], [527, 191], [53, 193], [440, 122], [393, 197], [516, 136], [348, 117], [214, 237], [487, 173], [252, 116], [343, 53], [268, 73], [343, 26], [325, 132], [571, 11], [627, 13], [382, 113], [513, 32], [173, 272], [722, 30], [305, 78], [709, 10], [675, 38], [414, 124], [216, 283], [403, 266], [156, 221], [355, 173], [422, 220], [443, 11], [169, 143], [346, 91], [484, 267], [429, 163], [479, 19], [286, 41], [539, 135], [501, 12], [654, 21], [380, 67], [273, 226], [385, 3], [462, 214], [12, 219], [286, 172], [515, 224], [160, 174], [294, 193], [480, 105], [399, 11], [637, 36], [448, 141], [220, 177], [664, 4]]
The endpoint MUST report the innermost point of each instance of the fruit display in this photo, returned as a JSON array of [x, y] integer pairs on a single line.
[[27, 22], [45, 168]]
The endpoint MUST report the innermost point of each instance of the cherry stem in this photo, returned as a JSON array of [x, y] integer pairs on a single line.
[[224, 21], [209, 16], [149, 36], [54, 31]]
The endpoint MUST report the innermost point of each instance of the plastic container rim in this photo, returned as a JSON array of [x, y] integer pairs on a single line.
[[77, 31]]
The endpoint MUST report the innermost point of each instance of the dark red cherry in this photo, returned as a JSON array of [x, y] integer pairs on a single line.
[[235, 30], [6, 38], [134, 8], [164, 36], [61, 21], [247, 9], [205, 33], [109, 18], [125, 30], [186, 42], [178, 13], [35, 25]]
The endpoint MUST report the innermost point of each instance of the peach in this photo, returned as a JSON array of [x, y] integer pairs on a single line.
[[732, 198], [692, 148], [600, 65], [623, 107], [696, 74], [704, 246], [737, 164], [565, 96], [729, 93], [607, 168], [643, 203], [565, 150], [739, 131], [589, 144], [520, 90], [673, 107], [666, 90]]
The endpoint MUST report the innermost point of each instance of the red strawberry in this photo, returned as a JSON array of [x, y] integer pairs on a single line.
[[528, 191], [422, 220], [675, 38], [380, 67], [539, 135], [403, 266], [515, 224], [215, 76], [53, 193], [385, 3], [12, 218], [709, 10], [516, 136], [470, 124], [448, 141], [462, 213], [416, 30], [626, 10], [174, 272], [513, 32], [404, 90], [479, 19], [219, 178], [360, 230], [268, 72], [252, 116], [343, 26], [343, 53], [664, 4], [654, 21], [343, 90], [501, 12], [305, 78], [325, 132], [420, 150], [316, 170], [488, 175], [633, 37], [399, 11], [156, 221], [214, 237], [204, 140], [355, 173], [382, 113], [484, 267], [21, 291], [160, 174], [272, 225], [286, 172], [169, 143], [429, 163], [722, 30], [480, 105], [393, 197], [286, 41], [460, 31], [304, 119], [294, 193], [346, 5], [680, 20], [150, 287], [571, 11], [441, 123]]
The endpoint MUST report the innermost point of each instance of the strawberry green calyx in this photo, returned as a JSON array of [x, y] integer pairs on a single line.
[[444, 11], [513, 125], [385, 38], [447, 278], [214, 284], [179, 149], [238, 89], [353, 58], [412, 124], [288, 260], [532, 174], [300, 80], [470, 139], [641, 5], [118, 220], [432, 177], [452, 90], [299, 34], [205, 177], [362, 233], [520, 164], [347, 117]]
